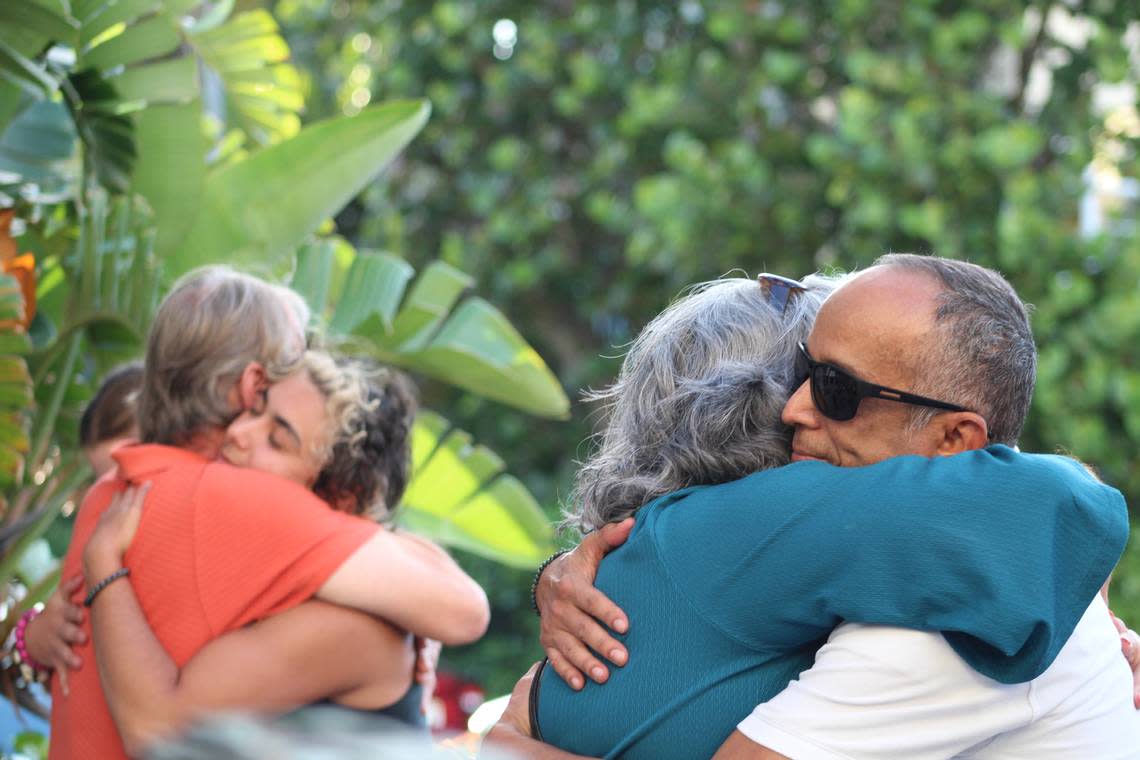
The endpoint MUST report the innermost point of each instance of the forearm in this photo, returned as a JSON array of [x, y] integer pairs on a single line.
[[505, 737], [413, 584], [138, 676]]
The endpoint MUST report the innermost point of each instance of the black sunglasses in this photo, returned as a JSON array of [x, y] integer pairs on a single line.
[[779, 290], [837, 393]]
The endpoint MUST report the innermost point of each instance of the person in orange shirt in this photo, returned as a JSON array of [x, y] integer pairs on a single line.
[[223, 546], [328, 427]]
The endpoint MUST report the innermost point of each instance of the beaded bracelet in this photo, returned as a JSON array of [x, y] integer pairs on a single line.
[[122, 572], [21, 646], [538, 577]]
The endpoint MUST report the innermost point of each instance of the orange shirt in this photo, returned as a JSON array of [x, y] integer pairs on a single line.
[[217, 547]]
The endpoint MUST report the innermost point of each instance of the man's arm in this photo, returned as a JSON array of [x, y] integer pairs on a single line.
[[1008, 595], [740, 747], [512, 732], [880, 692]]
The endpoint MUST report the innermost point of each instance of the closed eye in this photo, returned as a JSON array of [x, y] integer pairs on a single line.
[[282, 424]]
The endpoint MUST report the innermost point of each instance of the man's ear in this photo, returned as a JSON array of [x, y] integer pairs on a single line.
[[962, 431], [251, 385]]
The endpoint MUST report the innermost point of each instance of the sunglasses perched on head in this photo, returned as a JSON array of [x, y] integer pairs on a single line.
[[779, 291], [836, 393]]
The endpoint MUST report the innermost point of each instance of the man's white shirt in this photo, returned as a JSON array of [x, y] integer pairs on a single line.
[[881, 692]]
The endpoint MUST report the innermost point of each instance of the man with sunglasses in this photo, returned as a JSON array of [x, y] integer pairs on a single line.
[[915, 356], [929, 356]]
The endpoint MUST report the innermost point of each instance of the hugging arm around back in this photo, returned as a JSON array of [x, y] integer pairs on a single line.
[[1003, 550], [298, 548], [415, 585], [313, 651], [283, 662]]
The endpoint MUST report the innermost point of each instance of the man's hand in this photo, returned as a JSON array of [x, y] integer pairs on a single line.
[[51, 635], [516, 717], [511, 735], [571, 608], [1130, 646]]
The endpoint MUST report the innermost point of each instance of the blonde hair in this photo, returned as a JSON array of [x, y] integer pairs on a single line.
[[367, 465], [211, 326]]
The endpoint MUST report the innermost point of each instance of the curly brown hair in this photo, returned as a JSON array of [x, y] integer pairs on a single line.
[[368, 464]]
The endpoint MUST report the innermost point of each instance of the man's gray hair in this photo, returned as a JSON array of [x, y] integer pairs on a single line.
[[981, 354], [698, 399]]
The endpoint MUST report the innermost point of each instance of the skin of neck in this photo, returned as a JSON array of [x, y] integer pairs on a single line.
[[207, 443]]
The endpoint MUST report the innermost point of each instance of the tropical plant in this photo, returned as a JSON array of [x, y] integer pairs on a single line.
[[140, 60], [117, 179], [92, 303]]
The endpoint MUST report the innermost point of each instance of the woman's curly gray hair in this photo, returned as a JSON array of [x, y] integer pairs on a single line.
[[698, 399]]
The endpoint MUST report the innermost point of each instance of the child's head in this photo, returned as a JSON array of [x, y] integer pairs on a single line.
[[110, 419], [335, 425]]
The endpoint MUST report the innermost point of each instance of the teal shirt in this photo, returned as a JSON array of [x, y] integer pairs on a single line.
[[731, 589]]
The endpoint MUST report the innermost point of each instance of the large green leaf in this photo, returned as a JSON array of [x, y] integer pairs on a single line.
[[134, 92], [36, 150], [130, 61], [113, 277], [29, 27], [107, 134], [371, 293], [256, 212], [480, 349], [27, 74], [171, 170], [136, 45], [263, 93], [467, 343], [459, 495]]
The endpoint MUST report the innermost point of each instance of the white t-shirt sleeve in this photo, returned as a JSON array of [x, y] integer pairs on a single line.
[[880, 692]]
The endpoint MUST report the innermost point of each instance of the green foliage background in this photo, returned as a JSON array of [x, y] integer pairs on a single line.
[[623, 150]]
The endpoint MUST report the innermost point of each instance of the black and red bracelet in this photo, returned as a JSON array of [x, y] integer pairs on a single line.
[[122, 572]]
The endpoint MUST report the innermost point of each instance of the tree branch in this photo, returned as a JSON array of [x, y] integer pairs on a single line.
[[1028, 56]]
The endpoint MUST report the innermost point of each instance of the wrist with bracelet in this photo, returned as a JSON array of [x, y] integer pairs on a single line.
[[122, 572], [538, 577], [30, 669]]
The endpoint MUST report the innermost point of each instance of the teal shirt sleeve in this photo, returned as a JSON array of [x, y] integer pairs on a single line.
[[1000, 551]]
